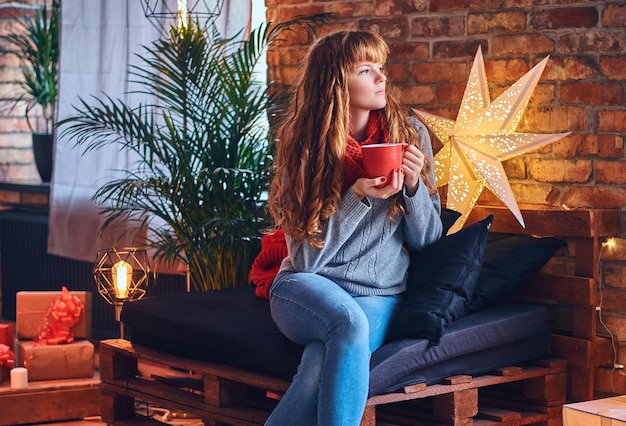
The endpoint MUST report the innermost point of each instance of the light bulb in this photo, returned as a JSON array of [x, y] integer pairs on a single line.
[[182, 14], [122, 278]]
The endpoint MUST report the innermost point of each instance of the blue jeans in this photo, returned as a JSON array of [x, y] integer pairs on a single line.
[[339, 331]]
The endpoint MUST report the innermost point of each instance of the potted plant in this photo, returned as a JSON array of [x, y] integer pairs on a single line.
[[36, 43], [203, 149]]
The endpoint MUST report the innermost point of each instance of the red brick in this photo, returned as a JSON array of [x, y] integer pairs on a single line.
[[446, 112], [614, 273], [590, 42], [15, 140], [390, 28], [297, 8], [450, 94], [567, 146], [284, 75], [568, 1], [554, 120], [20, 156], [592, 93], [396, 7], [417, 95], [508, 4], [440, 72], [611, 172], [350, 9], [12, 13], [456, 5], [515, 168], [613, 67], [547, 170], [612, 121], [505, 70], [9, 60], [569, 68], [614, 15], [410, 50], [6, 27], [599, 196], [589, 144], [531, 193], [523, 44], [7, 197], [611, 146], [482, 23], [7, 76], [457, 48], [13, 125], [566, 17], [397, 72], [280, 3], [439, 26], [544, 94], [19, 171]]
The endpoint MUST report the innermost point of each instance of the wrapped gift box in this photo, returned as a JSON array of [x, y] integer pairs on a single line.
[[32, 307], [6, 334], [51, 362], [7, 361]]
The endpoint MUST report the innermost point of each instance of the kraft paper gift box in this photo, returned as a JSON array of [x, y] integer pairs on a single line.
[[598, 412], [51, 362], [31, 309]]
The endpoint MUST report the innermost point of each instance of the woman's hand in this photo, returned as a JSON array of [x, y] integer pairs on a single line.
[[412, 165], [373, 188]]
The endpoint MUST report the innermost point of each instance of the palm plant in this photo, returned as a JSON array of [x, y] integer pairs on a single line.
[[36, 41], [202, 151]]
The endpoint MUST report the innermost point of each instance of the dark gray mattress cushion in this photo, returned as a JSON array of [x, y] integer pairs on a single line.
[[234, 327], [497, 337]]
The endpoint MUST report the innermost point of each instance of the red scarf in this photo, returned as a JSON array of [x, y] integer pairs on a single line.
[[353, 161], [273, 247]]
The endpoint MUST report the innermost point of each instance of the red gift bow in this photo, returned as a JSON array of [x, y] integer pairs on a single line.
[[66, 311], [7, 358]]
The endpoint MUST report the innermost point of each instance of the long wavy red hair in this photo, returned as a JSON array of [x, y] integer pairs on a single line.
[[307, 184]]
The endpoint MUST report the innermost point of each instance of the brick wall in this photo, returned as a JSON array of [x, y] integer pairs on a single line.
[[582, 90], [16, 154], [433, 45]]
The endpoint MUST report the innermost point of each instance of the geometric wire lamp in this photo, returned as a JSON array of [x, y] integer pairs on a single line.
[[165, 13], [121, 275]]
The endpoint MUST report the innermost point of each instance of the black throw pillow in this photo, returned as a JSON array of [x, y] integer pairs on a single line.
[[448, 217], [509, 261], [441, 280]]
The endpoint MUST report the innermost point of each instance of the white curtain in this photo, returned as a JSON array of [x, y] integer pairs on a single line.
[[99, 40]]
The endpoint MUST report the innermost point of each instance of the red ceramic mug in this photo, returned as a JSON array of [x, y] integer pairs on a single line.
[[380, 159]]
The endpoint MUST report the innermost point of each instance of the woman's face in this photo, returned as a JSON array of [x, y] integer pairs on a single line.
[[366, 87]]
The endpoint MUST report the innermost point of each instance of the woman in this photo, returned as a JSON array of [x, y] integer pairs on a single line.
[[347, 235]]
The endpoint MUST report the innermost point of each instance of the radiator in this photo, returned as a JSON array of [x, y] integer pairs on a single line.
[[25, 265]]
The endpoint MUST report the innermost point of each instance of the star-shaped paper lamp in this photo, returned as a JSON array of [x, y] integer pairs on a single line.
[[483, 136]]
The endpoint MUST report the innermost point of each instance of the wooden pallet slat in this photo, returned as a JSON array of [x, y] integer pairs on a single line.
[[50, 401], [455, 401]]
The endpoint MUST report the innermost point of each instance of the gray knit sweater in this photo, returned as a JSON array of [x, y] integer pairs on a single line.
[[364, 250]]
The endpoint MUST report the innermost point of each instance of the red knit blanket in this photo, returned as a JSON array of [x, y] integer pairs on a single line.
[[273, 246]]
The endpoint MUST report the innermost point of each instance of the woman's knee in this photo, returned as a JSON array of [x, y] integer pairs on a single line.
[[350, 323]]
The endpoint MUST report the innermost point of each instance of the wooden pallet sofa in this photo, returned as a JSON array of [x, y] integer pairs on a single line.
[[523, 353]]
